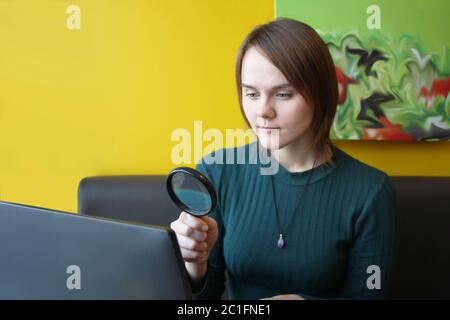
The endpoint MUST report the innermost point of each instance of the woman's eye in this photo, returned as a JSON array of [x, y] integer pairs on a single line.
[[284, 95], [251, 95]]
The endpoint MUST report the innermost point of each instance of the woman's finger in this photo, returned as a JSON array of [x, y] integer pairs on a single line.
[[190, 244]]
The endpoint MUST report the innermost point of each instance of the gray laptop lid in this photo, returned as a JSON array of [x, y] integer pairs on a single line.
[[49, 254]]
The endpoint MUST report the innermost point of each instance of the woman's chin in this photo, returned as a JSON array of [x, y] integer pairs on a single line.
[[269, 143]]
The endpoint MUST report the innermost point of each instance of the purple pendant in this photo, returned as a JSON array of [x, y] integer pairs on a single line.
[[280, 242]]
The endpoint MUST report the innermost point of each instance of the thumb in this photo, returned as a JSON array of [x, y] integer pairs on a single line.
[[212, 224]]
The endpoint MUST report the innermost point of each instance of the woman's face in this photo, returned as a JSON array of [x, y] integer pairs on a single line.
[[270, 101]]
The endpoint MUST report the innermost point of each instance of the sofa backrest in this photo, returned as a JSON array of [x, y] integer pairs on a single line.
[[423, 260], [142, 199]]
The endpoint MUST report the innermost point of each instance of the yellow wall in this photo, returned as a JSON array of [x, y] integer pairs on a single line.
[[105, 99]]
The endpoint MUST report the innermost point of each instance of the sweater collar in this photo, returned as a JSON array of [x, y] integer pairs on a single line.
[[300, 178]]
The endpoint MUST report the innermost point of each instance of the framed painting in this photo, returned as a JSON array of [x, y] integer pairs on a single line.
[[392, 63]]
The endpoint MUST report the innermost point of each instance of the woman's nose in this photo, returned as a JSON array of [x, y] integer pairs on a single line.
[[265, 110]]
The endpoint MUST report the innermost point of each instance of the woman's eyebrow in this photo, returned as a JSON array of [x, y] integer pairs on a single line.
[[280, 86]]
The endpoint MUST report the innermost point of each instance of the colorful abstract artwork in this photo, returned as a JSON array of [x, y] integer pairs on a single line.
[[393, 84]]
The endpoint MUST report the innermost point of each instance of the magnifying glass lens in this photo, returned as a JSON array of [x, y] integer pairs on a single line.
[[191, 191]]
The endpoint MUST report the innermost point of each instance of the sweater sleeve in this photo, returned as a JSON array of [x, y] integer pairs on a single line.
[[214, 282], [371, 254]]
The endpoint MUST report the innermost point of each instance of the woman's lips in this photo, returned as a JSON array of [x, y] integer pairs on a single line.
[[268, 129]]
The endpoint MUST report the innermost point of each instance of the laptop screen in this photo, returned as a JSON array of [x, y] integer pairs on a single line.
[[49, 254]]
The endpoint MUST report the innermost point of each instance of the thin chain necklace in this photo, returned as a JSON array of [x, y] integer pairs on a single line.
[[281, 240]]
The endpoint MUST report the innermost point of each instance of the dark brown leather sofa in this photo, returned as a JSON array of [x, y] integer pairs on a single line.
[[423, 261]]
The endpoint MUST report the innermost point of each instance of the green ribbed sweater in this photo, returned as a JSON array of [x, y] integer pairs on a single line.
[[346, 222]]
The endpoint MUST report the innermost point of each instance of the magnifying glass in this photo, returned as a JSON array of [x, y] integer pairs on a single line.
[[191, 191]]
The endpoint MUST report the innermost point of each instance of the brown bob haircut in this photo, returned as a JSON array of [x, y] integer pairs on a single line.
[[302, 56]]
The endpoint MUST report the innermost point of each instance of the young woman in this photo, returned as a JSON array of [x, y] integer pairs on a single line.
[[322, 226]]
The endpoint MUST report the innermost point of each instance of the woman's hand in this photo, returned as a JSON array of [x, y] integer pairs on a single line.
[[285, 297], [196, 236]]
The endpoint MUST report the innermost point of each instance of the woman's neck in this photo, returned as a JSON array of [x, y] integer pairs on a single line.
[[298, 156]]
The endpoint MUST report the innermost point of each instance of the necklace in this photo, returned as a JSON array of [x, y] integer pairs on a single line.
[[281, 241]]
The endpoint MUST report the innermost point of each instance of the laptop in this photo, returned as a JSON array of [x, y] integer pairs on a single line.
[[50, 254]]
